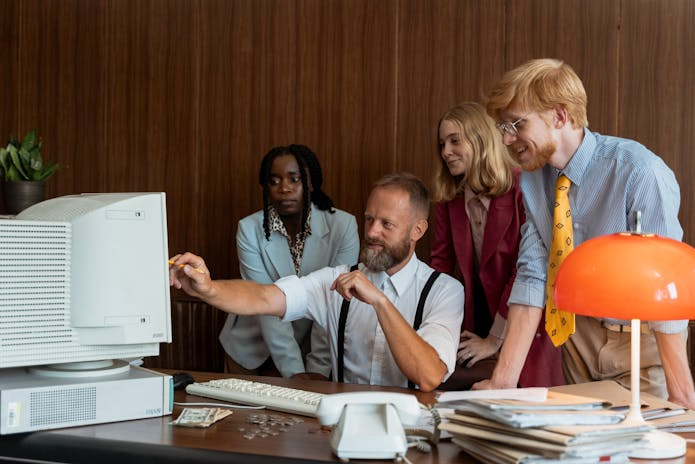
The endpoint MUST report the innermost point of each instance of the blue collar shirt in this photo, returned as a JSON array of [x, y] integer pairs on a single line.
[[612, 178]]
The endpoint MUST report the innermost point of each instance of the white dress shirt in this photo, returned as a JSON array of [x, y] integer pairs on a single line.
[[367, 357]]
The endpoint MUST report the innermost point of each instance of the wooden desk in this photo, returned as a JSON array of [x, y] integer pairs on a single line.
[[155, 441]]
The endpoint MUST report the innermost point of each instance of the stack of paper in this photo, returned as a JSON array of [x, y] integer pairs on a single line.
[[563, 428], [662, 414], [557, 409]]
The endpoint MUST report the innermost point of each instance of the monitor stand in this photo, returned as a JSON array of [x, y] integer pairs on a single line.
[[102, 368]]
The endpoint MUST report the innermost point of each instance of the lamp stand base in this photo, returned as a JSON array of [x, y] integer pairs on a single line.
[[660, 445]]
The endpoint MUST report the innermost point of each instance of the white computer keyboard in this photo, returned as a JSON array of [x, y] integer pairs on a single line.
[[259, 394]]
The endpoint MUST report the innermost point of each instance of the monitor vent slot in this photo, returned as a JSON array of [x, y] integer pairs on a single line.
[[34, 291], [63, 406]]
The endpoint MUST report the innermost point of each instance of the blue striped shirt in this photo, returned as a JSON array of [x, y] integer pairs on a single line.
[[612, 178]]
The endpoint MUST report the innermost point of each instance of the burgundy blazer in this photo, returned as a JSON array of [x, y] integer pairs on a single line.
[[453, 244]]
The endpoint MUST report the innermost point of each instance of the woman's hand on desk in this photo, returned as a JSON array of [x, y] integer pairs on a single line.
[[472, 348]]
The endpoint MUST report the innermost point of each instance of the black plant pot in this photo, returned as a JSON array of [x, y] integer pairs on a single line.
[[21, 194]]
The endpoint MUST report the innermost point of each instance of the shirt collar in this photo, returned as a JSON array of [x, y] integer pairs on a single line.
[[469, 194], [275, 223], [577, 166], [403, 279]]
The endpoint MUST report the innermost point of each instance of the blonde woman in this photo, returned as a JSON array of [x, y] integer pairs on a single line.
[[478, 216]]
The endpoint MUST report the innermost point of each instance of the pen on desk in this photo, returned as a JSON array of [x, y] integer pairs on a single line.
[[181, 266]]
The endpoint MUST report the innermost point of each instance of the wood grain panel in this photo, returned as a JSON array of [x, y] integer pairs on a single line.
[[583, 33], [194, 330], [9, 61], [303, 83], [657, 94], [151, 120], [226, 162], [248, 60], [448, 51], [346, 93], [61, 88]]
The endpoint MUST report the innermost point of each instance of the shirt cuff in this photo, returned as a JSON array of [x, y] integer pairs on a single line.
[[527, 294], [669, 327], [295, 297]]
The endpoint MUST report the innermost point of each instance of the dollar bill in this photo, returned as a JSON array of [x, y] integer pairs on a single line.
[[200, 417]]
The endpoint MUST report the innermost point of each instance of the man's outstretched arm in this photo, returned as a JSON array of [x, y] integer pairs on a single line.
[[189, 273]]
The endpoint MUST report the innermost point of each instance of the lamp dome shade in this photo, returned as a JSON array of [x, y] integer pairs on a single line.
[[628, 276]]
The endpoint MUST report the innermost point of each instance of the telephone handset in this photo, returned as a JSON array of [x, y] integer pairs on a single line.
[[369, 425]]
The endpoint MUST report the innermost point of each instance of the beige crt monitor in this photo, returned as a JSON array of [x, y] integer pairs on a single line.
[[83, 286]]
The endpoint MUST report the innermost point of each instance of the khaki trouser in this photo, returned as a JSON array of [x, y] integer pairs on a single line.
[[594, 352]]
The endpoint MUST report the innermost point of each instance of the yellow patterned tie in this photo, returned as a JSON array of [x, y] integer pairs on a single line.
[[559, 324]]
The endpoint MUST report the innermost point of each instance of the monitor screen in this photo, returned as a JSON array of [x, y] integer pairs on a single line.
[[84, 278]]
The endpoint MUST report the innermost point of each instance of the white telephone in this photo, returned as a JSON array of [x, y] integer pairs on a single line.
[[369, 425]]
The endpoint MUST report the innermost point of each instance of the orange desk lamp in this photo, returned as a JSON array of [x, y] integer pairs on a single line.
[[632, 276]]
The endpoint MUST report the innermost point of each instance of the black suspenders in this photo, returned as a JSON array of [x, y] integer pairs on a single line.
[[341, 333], [345, 307]]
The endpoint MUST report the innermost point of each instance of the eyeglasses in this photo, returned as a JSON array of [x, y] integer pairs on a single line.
[[506, 127]]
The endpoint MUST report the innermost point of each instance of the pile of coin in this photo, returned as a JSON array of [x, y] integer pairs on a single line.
[[268, 425]]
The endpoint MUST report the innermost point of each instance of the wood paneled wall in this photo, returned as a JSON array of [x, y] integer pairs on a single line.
[[186, 96], [195, 327]]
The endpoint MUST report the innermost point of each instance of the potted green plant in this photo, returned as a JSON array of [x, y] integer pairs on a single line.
[[24, 171]]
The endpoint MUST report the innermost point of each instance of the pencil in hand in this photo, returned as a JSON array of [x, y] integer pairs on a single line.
[[181, 266]]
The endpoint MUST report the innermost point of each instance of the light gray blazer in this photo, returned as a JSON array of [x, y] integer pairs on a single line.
[[249, 340]]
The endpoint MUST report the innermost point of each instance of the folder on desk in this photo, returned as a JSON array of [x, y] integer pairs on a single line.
[[492, 440], [547, 433], [554, 401], [670, 418], [558, 409], [488, 453], [551, 437]]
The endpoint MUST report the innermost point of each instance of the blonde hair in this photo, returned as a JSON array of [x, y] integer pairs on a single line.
[[540, 85], [490, 172]]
